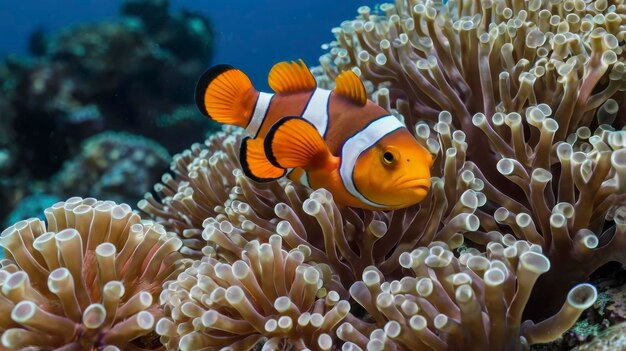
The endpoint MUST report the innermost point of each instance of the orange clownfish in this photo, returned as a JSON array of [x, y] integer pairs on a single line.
[[338, 140]]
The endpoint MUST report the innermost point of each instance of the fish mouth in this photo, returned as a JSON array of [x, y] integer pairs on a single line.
[[410, 191], [416, 184]]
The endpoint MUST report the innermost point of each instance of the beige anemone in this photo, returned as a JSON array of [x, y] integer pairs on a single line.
[[89, 278]]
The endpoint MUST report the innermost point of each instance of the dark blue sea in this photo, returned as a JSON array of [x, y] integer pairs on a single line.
[[251, 35]]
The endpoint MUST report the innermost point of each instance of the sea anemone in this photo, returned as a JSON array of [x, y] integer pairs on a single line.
[[210, 200], [442, 303], [269, 294], [473, 302], [89, 278], [536, 87]]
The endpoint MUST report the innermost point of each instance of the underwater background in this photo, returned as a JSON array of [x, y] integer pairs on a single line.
[[250, 35], [130, 225]]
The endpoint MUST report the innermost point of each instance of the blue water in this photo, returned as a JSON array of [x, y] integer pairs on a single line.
[[251, 34]]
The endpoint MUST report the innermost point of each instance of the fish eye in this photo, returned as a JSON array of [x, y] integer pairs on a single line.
[[389, 158]]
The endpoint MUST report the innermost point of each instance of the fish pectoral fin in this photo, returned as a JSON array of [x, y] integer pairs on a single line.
[[348, 84], [254, 162], [290, 77], [294, 142]]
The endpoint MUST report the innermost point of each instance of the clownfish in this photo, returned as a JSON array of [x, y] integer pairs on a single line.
[[333, 139]]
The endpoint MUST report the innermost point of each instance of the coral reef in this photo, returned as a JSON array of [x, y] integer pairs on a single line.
[[183, 120], [612, 339], [12, 185], [123, 74], [7, 149], [116, 166], [89, 278], [110, 75]]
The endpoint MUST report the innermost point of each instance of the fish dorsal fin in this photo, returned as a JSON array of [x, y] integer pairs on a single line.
[[289, 77], [294, 142], [348, 84], [254, 162]]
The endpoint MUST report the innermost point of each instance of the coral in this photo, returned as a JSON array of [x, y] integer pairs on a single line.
[[116, 166], [172, 29], [611, 305], [584, 330], [12, 186], [10, 70], [536, 87], [89, 278], [135, 60], [124, 74], [153, 13], [118, 74], [184, 120], [612, 339]]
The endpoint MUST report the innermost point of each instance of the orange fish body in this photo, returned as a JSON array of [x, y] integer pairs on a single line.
[[338, 140]]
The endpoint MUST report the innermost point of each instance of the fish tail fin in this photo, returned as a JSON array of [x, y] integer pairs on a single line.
[[226, 95], [294, 142]]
